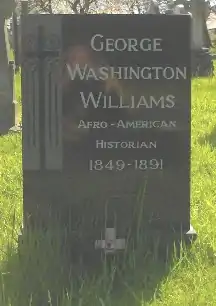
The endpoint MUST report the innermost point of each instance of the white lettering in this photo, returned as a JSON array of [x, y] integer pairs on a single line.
[[99, 43], [101, 144], [127, 73], [92, 124]]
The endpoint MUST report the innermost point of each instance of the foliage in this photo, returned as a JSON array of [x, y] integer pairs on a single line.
[[92, 6]]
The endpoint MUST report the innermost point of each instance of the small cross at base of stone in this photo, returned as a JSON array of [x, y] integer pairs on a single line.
[[110, 244]]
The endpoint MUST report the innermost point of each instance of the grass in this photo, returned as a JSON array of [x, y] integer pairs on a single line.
[[213, 49], [186, 281]]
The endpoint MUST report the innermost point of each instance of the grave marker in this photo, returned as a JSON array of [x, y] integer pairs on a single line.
[[106, 126], [202, 64], [7, 99]]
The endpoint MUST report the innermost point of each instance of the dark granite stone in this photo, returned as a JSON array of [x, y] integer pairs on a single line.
[[58, 183]]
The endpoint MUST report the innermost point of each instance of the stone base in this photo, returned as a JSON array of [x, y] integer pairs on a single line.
[[159, 243], [8, 118], [162, 242], [16, 128], [173, 236]]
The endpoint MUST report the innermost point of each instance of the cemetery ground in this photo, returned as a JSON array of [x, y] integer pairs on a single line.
[[189, 280]]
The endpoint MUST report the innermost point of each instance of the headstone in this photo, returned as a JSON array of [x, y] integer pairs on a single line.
[[106, 126], [198, 10], [16, 40], [179, 9], [201, 58], [16, 32], [153, 7], [7, 102], [202, 64], [24, 7]]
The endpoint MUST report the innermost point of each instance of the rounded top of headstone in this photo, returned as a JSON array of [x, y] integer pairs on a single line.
[[169, 12], [6, 8], [180, 9], [153, 8], [37, 11]]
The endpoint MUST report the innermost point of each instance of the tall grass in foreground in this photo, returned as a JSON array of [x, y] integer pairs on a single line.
[[143, 279]]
